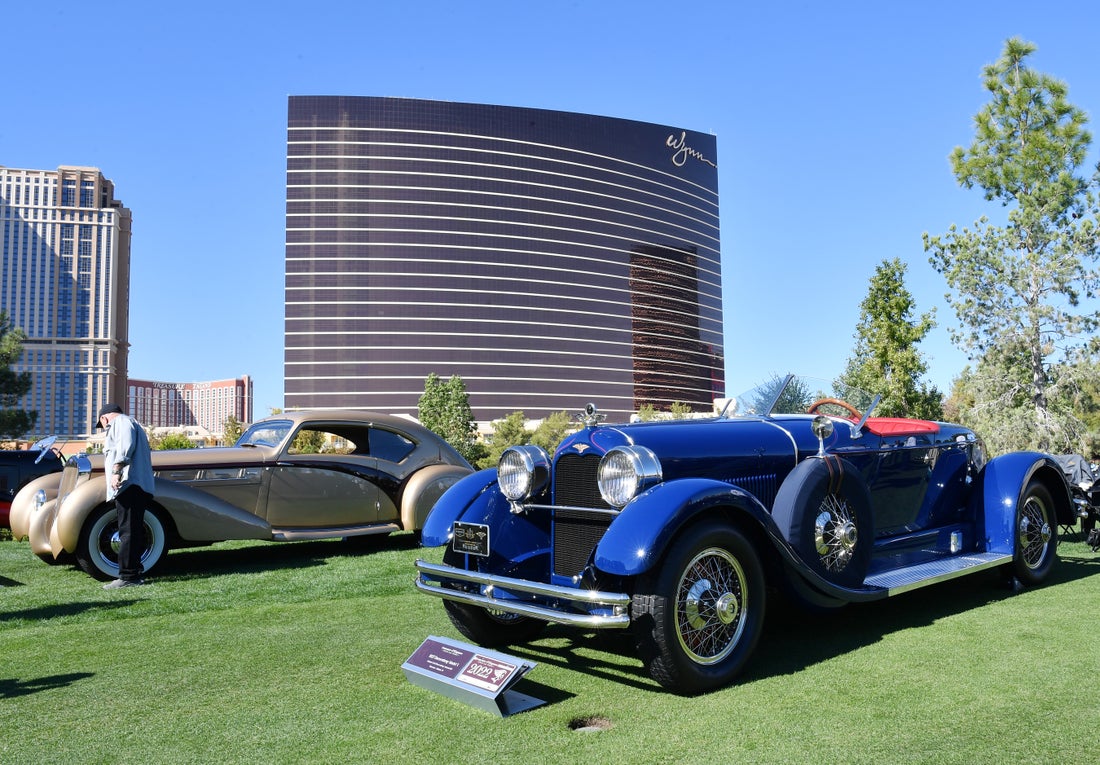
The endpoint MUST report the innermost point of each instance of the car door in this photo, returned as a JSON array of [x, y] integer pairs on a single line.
[[323, 481]]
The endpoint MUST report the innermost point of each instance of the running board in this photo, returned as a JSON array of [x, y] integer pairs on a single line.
[[299, 535], [924, 574]]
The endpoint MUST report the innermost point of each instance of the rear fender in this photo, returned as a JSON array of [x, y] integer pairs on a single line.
[[423, 490], [1000, 486], [195, 515], [640, 534]]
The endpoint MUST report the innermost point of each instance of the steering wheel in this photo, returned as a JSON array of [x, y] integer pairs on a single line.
[[836, 401]]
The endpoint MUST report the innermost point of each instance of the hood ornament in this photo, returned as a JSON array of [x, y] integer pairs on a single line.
[[590, 417]]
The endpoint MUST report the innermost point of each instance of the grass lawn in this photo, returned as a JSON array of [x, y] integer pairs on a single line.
[[289, 653]]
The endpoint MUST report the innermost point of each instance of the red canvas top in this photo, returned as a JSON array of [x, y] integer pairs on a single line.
[[899, 426]]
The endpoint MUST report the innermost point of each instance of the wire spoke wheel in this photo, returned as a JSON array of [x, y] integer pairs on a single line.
[[824, 510], [698, 614], [710, 605], [1036, 535], [835, 534]]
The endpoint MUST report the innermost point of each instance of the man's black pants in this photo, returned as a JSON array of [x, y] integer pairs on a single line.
[[130, 503]]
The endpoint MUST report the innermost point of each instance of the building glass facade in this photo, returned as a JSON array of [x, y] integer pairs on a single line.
[[548, 258], [65, 280], [207, 405]]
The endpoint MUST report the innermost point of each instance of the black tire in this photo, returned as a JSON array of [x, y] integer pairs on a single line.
[[486, 627], [698, 615], [824, 511], [97, 552], [1036, 534]]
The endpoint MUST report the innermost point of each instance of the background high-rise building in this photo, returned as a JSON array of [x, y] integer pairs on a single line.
[[179, 404], [65, 280], [548, 258]]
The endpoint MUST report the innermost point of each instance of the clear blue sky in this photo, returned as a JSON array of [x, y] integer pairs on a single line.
[[834, 122]]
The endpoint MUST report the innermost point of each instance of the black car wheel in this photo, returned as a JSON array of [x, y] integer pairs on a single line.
[[1036, 533], [488, 627], [824, 511], [97, 550], [698, 615]]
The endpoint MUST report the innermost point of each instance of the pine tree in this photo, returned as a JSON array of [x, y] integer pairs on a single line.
[[13, 385], [1023, 291], [885, 359]]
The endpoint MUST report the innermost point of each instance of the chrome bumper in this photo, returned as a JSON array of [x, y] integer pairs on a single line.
[[561, 605]]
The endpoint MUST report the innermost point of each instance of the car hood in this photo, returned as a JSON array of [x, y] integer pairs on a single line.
[[220, 455], [715, 446]]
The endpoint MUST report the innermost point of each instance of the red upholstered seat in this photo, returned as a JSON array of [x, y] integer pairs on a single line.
[[899, 426]]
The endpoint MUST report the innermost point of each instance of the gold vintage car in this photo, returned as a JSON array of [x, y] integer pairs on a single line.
[[292, 476]]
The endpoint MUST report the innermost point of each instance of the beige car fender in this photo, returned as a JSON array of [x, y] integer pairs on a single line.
[[22, 505], [195, 515], [423, 490], [75, 508], [38, 529]]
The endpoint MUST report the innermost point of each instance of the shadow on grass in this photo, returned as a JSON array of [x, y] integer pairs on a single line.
[[784, 648], [62, 609], [10, 688], [203, 562], [5, 582], [607, 655]]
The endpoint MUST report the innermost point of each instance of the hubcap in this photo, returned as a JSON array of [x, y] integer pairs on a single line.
[[115, 543]]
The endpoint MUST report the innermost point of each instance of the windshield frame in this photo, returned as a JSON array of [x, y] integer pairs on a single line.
[[794, 394], [250, 438]]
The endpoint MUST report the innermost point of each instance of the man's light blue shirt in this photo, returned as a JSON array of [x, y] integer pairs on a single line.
[[127, 445]]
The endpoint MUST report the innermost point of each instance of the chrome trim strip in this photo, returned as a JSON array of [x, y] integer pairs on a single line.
[[297, 535], [575, 508], [618, 602]]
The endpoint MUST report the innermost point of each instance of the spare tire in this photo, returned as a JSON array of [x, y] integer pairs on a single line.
[[823, 509]]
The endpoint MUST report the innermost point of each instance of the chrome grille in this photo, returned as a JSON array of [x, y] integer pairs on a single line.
[[575, 481], [576, 534], [69, 478]]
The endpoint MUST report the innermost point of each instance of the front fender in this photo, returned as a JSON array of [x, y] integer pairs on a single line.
[[453, 503], [639, 535], [195, 515], [39, 526], [22, 504], [73, 510], [1000, 486]]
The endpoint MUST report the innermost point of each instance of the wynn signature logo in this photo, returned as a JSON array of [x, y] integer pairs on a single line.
[[683, 151]]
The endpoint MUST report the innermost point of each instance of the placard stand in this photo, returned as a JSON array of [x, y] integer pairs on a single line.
[[473, 675]]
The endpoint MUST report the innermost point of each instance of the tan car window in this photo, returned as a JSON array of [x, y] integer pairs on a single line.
[[389, 446], [312, 441]]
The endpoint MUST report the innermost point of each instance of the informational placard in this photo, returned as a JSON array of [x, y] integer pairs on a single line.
[[473, 675]]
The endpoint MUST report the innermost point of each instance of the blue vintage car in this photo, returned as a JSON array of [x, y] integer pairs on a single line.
[[678, 529]]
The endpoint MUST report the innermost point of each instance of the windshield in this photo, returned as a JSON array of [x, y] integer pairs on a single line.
[[265, 433], [791, 394]]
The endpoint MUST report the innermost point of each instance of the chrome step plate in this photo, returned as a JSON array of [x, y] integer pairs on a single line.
[[924, 574]]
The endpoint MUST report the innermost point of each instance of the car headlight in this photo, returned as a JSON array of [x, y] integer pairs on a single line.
[[627, 471], [523, 472], [39, 499]]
